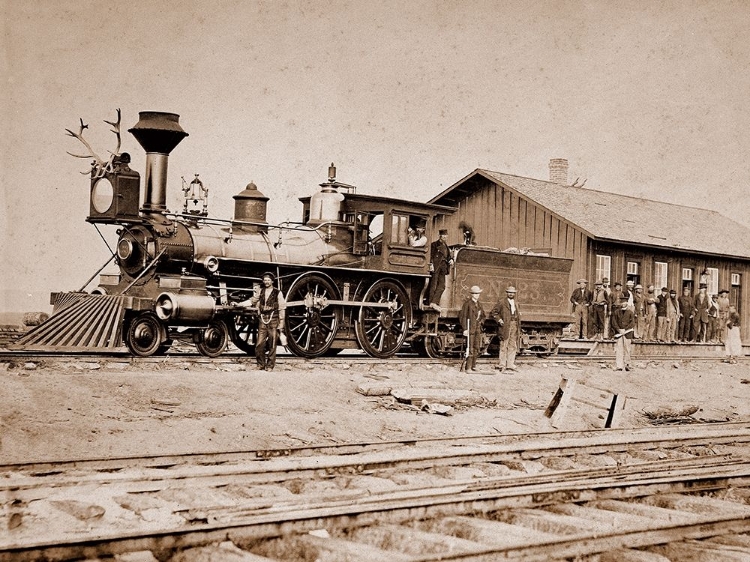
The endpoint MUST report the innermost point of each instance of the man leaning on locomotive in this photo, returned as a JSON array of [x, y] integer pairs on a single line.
[[271, 314]]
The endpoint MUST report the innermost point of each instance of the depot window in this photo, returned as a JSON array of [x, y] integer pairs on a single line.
[[660, 275], [603, 267], [712, 280]]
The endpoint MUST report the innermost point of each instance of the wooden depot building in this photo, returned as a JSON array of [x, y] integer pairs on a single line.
[[606, 234]]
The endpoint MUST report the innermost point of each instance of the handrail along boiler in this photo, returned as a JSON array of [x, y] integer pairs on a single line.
[[350, 277]]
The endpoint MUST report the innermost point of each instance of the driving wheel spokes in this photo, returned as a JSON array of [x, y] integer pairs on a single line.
[[245, 333], [213, 340], [381, 330], [144, 335], [311, 323]]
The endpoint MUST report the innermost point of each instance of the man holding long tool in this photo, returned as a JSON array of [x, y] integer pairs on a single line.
[[472, 317], [623, 323]]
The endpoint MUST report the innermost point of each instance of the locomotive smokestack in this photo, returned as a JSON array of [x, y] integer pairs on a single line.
[[158, 133]]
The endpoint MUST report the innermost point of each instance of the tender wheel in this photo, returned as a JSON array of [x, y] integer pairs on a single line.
[[381, 331], [213, 340], [144, 337], [311, 325], [245, 333], [433, 347]]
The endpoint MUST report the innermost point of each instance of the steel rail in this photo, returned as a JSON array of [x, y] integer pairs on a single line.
[[400, 507], [525, 445]]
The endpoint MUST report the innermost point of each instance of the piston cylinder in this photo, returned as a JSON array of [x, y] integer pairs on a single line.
[[186, 308]]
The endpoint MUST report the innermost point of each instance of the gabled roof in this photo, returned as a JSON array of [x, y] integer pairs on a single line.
[[621, 218]]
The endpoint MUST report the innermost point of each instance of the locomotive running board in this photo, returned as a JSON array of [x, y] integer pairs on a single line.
[[80, 322]]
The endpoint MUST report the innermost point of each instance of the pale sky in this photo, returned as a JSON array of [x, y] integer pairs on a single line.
[[643, 98]]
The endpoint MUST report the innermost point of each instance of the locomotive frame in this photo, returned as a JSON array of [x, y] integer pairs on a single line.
[[350, 276]]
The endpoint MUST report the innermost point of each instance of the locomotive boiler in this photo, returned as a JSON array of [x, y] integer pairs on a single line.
[[350, 276]]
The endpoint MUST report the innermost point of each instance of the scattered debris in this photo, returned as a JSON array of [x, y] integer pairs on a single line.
[[79, 510], [165, 402], [664, 415], [443, 396], [436, 408], [374, 389]]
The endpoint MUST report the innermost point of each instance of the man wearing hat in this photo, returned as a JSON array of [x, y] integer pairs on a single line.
[[272, 310], [639, 306], [687, 313], [508, 322], [472, 318], [600, 309], [650, 328], [673, 316], [662, 326], [623, 323], [608, 294], [440, 263], [723, 302], [701, 304], [581, 300]]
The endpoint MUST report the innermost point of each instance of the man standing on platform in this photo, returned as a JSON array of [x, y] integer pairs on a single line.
[[687, 312], [723, 302], [472, 318], [440, 263], [623, 323], [600, 307], [639, 303], [701, 303], [581, 299], [509, 320]]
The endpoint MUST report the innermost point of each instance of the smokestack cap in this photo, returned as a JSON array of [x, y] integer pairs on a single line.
[[157, 131]]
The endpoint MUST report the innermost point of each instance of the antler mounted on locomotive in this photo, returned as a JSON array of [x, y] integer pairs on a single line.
[[350, 276]]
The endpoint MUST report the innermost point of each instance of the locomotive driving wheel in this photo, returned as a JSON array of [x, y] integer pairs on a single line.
[[145, 335], [311, 324], [213, 340], [381, 330], [244, 333]]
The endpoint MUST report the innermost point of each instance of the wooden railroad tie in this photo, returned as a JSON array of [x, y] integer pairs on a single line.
[[608, 404]]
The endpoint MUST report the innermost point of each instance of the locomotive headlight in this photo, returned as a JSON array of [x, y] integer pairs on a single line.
[[211, 263], [102, 195], [124, 249]]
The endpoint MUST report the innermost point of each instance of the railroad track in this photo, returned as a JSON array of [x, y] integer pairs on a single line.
[[639, 494], [20, 358]]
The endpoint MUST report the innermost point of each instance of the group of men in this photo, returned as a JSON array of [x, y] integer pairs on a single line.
[[508, 318], [662, 317]]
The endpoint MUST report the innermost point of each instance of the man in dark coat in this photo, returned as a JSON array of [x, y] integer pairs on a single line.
[[472, 318], [440, 263], [701, 303], [687, 313], [623, 324], [581, 299], [509, 321]]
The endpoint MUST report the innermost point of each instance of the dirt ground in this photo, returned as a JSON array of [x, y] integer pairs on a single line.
[[90, 409]]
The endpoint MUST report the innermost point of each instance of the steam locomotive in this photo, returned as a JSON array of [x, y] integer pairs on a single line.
[[350, 276]]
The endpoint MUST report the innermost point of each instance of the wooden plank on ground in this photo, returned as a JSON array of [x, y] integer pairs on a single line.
[[225, 551], [494, 533], [632, 555], [340, 550], [702, 551]]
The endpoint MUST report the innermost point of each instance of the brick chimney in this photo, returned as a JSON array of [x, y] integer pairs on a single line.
[[558, 171]]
